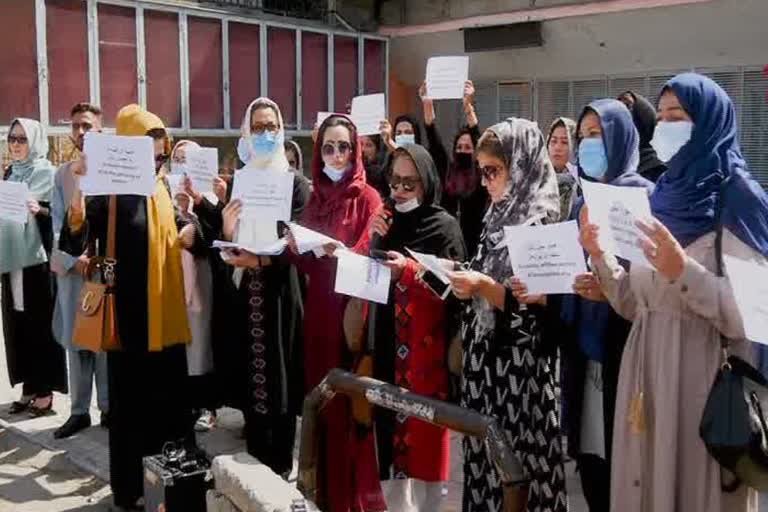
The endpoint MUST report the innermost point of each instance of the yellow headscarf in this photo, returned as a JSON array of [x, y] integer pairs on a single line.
[[168, 324]]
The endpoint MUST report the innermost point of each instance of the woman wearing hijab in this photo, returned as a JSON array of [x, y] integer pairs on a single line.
[[341, 206], [405, 130], [462, 197], [32, 354], [561, 144], [264, 316], [644, 116], [294, 157], [375, 160], [413, 330], [679, 308], [148, 395], [508, 372], [589, 333], [198, 294]]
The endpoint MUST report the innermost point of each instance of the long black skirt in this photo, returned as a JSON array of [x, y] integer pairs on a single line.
[[149, 406]]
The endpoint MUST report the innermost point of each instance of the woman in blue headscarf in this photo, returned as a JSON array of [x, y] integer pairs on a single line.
[[679, 307], [33, 356], [590, 334]]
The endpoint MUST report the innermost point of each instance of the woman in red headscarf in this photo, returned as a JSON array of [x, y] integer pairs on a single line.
[[341, 206]]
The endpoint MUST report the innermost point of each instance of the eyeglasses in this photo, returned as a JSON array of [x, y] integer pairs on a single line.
[[342, 147], [408, 184], [261, 128], [18, 139], [490, 172]]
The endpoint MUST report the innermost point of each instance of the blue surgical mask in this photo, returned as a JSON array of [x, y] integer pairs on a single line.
[[592, 158], [670, 137], [264, 143], [405, 138], [333, 173]]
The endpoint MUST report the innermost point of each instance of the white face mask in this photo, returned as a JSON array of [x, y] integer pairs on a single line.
[[333, 173], [407, 206], [669, 137], [405, 138]]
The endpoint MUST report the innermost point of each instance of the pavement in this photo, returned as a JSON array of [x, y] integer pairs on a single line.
[[41, 474]]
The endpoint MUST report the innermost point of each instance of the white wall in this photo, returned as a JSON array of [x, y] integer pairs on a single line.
[[719, 33]]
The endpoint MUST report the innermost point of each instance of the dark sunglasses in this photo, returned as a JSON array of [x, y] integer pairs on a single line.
[[490, 172], [408, 184], [342, 147], [18, 139]]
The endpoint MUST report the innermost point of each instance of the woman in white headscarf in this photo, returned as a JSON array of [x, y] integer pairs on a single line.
[[262, 323], [33, 356]]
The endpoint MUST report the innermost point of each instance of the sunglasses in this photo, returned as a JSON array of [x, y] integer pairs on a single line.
[[408, 184], [490, 172], [18, 139], [330, 149]]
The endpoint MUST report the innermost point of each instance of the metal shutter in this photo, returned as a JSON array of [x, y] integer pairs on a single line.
[[754, 124], [553, 101], [515, 100], [620, 85], [486, 103], [655, 83], [585, 92], [730, 81]]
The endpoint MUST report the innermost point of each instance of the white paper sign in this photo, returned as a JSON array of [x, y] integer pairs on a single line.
[[546, 258], [118, 165], [362, 277], [749, 282], [368, 112], [273, 249], [431, 263], [446, 77], [13, 201], [174, 183], [308, 240], [202, 166], [265, 194], [615, 210]]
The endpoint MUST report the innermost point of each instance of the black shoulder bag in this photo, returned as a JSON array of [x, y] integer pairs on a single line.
[[733, 425]]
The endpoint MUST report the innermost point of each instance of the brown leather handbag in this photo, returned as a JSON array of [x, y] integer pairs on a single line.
[[96, 315]]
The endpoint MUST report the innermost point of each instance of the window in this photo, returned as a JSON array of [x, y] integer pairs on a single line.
[[345, 73], [117, 59], [161, 33], [206, 107], [244, 69], [374, 66], [515, 100], [554, 100], [281, 46], [486, 104], [67, 42], [314, 76], [20, 96], [754, 124], [585, 92]]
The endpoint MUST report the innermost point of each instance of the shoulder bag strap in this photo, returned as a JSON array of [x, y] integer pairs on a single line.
[[111, 222]]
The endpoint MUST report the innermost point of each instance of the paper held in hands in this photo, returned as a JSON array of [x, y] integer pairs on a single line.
[[431, 263], [308, 240], [446, 77], [368, 112], [201, 166], [362, 277], [546, 258], [264, 194], [118, 165], [615, 210], [274, 249], [749, 282], [13, 201]]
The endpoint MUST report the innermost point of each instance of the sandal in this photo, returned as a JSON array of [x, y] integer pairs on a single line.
[[36, 411], [19, 406]]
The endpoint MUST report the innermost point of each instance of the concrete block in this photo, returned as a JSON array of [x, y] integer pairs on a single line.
[[253, 487], [217, 502]]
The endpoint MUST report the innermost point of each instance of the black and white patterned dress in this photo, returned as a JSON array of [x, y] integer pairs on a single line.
[[508, 376]]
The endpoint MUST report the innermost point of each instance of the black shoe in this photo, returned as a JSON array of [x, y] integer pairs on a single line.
[[104, 420], [74, 424], [19, 407]]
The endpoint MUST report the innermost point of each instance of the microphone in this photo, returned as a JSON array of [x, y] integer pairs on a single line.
[[389, 206]]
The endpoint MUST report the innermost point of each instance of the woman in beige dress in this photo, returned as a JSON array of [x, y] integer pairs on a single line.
[[680, 307]]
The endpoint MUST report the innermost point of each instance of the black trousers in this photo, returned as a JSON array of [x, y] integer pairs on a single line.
[[270, 439], [595, 475]]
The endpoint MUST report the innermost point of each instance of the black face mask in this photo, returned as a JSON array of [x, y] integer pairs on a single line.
[[464, 160]]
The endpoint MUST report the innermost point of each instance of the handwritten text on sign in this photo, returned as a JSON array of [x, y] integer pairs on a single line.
[[265, 194], [118, 165], [546, 258]]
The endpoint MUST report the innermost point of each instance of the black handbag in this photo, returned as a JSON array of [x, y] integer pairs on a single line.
[[733, 425]]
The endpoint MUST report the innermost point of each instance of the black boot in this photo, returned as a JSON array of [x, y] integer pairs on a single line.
[[74, 424]]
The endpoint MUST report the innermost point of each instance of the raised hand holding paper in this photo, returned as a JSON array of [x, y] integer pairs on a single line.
[[264, 194], [615, 210], [13, 201], [749, 282], [368, 112], [546, 258], [446, 77], [363, 277], [118, 165]]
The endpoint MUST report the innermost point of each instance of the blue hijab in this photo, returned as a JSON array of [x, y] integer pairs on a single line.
[[686, 195], [621, 139]]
